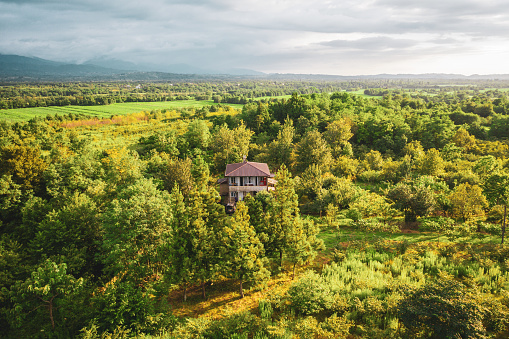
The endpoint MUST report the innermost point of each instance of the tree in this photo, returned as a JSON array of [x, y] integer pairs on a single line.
[[302, 243], [280, 150], [24, 163], [258, 218], [374, 160], [243, 250], [311, 187], [177, 172], [43, 301], [467, 201], [180, 249], [496, 190], [207, 221], [70, 234], [200, 172], [136, 226], [10, 197], [413, 200], [230, 145], [162, 142], [337, 134], [463, 139], [443, 309], [485, 166], [122, 167], [282, 210], [198, 135], [431, 163], [287, 232], [312, 149]]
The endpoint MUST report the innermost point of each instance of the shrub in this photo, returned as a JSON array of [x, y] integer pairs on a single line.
[[436, 224], [310, 294], [370, 176], [373, 226], [490, 228], [354, 214], [443, 309]]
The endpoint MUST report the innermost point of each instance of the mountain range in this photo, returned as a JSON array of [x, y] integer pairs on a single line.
[[22, 68], [14, 68]]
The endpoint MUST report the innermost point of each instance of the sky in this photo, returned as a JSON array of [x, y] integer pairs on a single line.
[[347, 37]]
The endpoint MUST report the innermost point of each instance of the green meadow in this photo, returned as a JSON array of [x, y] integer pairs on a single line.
[[104, 111]]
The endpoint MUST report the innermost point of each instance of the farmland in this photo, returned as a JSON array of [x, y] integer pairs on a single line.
[[103, 111]]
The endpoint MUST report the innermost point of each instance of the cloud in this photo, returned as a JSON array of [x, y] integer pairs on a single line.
[[374, 43], [267, 35]]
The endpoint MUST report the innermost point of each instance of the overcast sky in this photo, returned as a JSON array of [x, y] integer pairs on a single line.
[[347, 37]]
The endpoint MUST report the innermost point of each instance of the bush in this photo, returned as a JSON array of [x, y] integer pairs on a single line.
[[373, 226], [370, 176], [436, 224], [310, 294], [122, 303], [354, 214], [443, 309], [490, 228]]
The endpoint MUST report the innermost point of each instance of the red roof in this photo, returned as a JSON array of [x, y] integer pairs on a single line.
[[247, 169]]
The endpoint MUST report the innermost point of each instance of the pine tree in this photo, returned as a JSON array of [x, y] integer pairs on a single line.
[[286, 230], [258, 218], [302, 242], [243, 249], [181, 251], [200, 172], [283, 210], [208, 220]]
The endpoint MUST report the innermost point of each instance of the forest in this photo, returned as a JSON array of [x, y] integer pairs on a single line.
[[388, 219]]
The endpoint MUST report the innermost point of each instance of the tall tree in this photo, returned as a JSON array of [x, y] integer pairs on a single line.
[[467, 200], [282, 210], [496, 189], [207, 221], [230, 145], [280, 150], [285, 229], [200, 171], [337, 135], [312, 149], [302, 243], [243, 250], [136, 227], [44, 301], [70, 234], [180, 249]]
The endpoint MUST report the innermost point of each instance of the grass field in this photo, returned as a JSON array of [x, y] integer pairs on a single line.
[[23, 114]]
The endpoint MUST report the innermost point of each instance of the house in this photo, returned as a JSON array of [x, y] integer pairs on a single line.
[[244, 178]]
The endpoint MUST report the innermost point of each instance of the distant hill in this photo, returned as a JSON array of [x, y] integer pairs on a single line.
[[15, 68], [26, 68], [21, 68], [167, 68], [427, 76]]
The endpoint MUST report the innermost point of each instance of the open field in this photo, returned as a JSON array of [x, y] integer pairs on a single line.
[[105, 111]]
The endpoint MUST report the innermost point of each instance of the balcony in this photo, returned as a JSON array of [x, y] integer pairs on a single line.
[[247, 188]]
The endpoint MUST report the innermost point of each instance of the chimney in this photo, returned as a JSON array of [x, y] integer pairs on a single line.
[[244, 158]]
